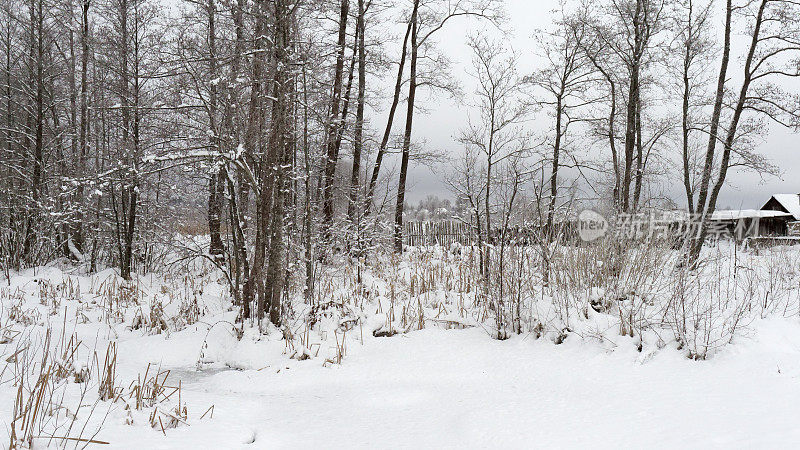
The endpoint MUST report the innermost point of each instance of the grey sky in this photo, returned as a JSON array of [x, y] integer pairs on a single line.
[[445, 117]]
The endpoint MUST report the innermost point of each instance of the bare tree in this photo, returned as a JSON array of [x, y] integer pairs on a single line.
[[565, 85], [496, 134], [774, 42], [412, 90], [626, 32], [334, 123], [694, 44], [428, 17], [84, 118], [358, 138]]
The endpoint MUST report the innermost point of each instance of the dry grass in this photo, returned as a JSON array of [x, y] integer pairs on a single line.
[[639, 286]]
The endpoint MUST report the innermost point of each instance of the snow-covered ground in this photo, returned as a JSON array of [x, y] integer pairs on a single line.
[[458, 388], [429, 388]]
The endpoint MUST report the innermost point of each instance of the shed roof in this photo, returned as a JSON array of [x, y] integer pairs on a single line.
[[733, 214], [725, 214], [790, 202]]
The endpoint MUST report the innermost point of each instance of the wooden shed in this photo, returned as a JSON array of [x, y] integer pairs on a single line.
[[790, 204], [749, 223]]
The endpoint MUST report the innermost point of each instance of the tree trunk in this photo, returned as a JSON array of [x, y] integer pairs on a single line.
[[412, 89], [253, 142], [37, 24], [388, 131], [631, 109], [84, 119], [280, 141], [730, 136], [551, 207], [308, 210], [640, 161], [687, 183], [216, 183], [125, 266], [713, 128], [333, 126], [9, 131], [359, 127]]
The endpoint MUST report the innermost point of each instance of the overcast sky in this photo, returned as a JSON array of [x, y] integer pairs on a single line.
[[446, 116]]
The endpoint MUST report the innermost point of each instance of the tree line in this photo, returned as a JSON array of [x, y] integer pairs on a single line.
[[279, 120]]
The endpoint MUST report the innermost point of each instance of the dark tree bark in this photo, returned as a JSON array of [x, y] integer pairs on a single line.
[[253, 143], [373, 182], [640, 158], [713, 128], [84, 119], [216, 181], [730, 136], [359, 126], [687, 184], [632, 106], [333, 125], [342, 126], [281, 138], [551, 207], [130, 145], [37, 51], [412, 89], [10, 126]]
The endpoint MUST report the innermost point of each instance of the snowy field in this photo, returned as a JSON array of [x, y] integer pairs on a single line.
[[458, 389], [331, 383]]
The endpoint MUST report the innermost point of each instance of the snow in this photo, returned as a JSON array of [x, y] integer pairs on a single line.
[[727, 214], [457, 388], [746, 214], [74, 250], [429, 388], [791, 202]]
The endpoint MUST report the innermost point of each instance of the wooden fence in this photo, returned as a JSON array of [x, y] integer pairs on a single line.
[[441, 233], [446, 233]]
